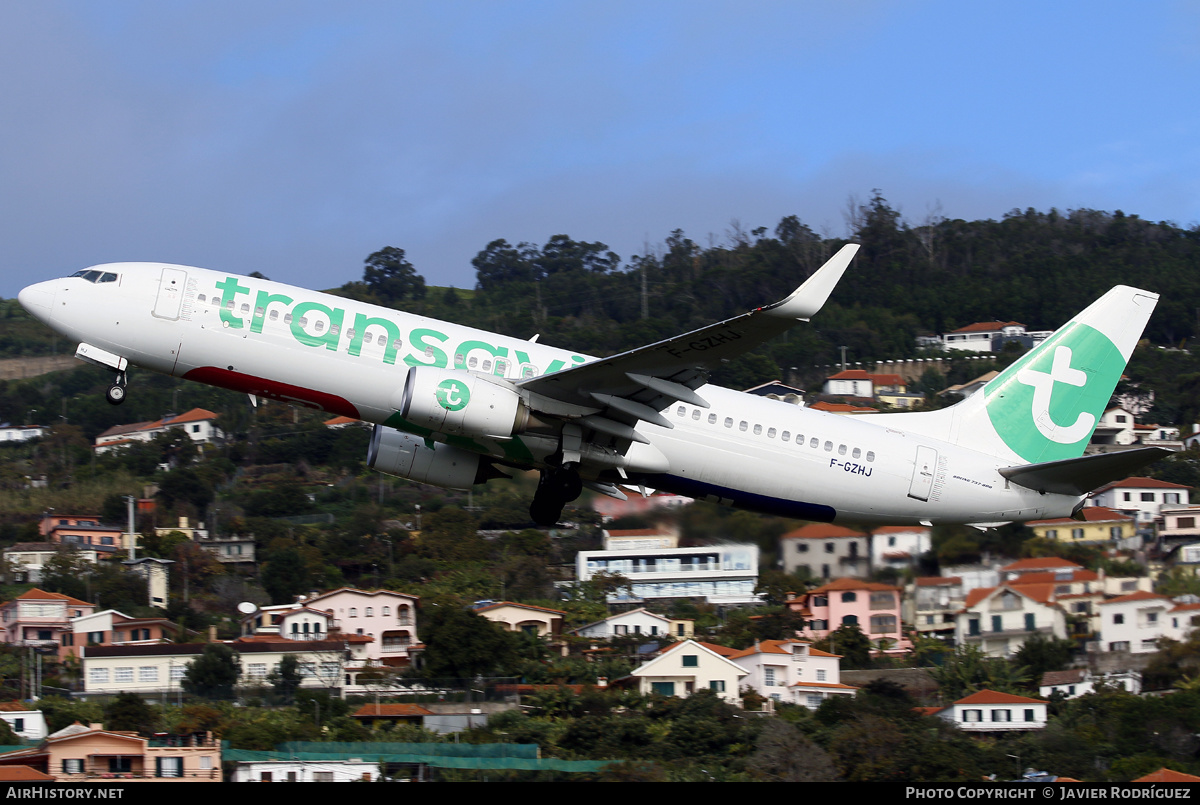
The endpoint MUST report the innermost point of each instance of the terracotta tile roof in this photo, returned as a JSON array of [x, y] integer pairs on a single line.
[[853, 584], [340, 420], [1040, 563], [391, 711], [41, 595], [833, 685], [900, 529], [778, 647], [1042, 593], [1091, 514], [1140, 595], [1051, 578], [1140, 483], [724, 651], [938, 581], [822, 531], [996, 697], [499, 604], [987, 327], [840, 408], [1165, 775], [851, 374], [16, 774], [15, 707], [1072, 676]]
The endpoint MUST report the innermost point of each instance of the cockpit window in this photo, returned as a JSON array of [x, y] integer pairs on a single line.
[[92, 275]]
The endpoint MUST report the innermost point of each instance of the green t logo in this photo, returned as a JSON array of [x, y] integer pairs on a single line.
[[1046, 405], [453, 395]]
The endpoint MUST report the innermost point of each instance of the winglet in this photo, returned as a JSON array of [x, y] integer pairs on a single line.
[[810, 297]]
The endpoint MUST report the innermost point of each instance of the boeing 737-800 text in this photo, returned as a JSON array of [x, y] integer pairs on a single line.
[[453, 406]]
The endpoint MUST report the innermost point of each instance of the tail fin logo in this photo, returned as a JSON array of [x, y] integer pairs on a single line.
[[1043, 392], [1046, 405]]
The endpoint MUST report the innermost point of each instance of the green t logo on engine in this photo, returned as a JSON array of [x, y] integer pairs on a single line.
[[453, 395]]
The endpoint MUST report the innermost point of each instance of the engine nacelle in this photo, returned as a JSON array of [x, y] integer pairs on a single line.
[[462, 404], [398, 453]]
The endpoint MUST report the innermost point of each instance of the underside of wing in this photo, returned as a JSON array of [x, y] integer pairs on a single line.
[[1078, 476]]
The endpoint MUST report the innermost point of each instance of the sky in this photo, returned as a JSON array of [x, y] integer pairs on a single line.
[[295, 138]]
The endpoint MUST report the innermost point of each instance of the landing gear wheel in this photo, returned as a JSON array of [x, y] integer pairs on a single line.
[[545, 512], [115, 394]]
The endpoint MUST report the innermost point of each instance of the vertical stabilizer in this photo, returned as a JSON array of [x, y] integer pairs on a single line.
[[1045, 406]]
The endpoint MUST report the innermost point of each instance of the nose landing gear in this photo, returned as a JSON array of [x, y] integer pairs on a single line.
[[116, 392]]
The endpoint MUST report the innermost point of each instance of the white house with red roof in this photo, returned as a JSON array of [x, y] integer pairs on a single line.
[[875, 608], [993, 711], [526, 618], [792, 671], [684, 668], [199, 424], [825, 551], [1134, 622], [998, 620], [1144, 498], [990, 336]]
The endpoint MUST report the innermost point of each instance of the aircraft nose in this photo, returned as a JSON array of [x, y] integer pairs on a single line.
[[38, 300]]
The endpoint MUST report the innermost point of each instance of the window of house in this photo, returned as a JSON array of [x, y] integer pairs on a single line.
[[769, 677], [1029, 712], [148, 673], [849, 598], [820, 674], [716, 685], [691, 661], [1118, 619], [72, 765], [1002, 715], [123, 674], [1147, 497], [972, 716]]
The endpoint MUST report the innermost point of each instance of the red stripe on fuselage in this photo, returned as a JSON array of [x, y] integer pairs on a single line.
[[272, 390]]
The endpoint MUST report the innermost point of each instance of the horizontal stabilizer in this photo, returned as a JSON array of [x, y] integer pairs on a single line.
[[1078, 476]]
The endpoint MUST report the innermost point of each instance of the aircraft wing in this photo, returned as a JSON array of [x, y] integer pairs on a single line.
[[612, 394]]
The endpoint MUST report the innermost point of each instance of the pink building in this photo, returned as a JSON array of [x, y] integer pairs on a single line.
[[38, 618], [873, 607]]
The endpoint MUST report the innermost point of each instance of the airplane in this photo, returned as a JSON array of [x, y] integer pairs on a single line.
[[455, 406]]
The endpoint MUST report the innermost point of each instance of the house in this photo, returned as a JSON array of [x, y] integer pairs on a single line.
[[1179, 524], [158, 669], [82, 531], [1144, 498], [842, 409], [684, 668], [992, 711], [29, 725], [792, 671], [1099, 525], [371, 714], [22, 433], [965, 390], [825, 551], [79, 754], [1079, 592], [291, 770], [533, 620], [199, 424], [1134, 622], [998, 620], [113, 628], [721, 574], [873, 607], [29, 558], [931, 604], [641, 622], [899, 546], [39, 619], [850, 383], [640, 539], [1077, 682], [388, 617], [991, 336], [1041, 564]]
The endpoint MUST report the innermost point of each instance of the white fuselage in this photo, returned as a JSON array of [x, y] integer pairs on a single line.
[[347, 357]]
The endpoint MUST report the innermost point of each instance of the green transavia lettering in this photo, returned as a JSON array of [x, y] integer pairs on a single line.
[[329, 329]]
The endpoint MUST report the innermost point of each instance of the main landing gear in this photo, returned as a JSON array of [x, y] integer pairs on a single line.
[[116, 392], [557, 488]]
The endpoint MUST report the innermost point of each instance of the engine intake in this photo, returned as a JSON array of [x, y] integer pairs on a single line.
[[462, 404], [398, 453]]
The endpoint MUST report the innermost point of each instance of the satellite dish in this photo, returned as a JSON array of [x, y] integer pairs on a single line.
[[246, 608]]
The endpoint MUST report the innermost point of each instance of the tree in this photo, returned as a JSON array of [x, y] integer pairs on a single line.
[[392, 278], [213, 674], [285, 575], [286, 678], [462, 644], [130, 711]]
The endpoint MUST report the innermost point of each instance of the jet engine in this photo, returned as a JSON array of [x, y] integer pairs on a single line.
[[462, 404], [398, 453]]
